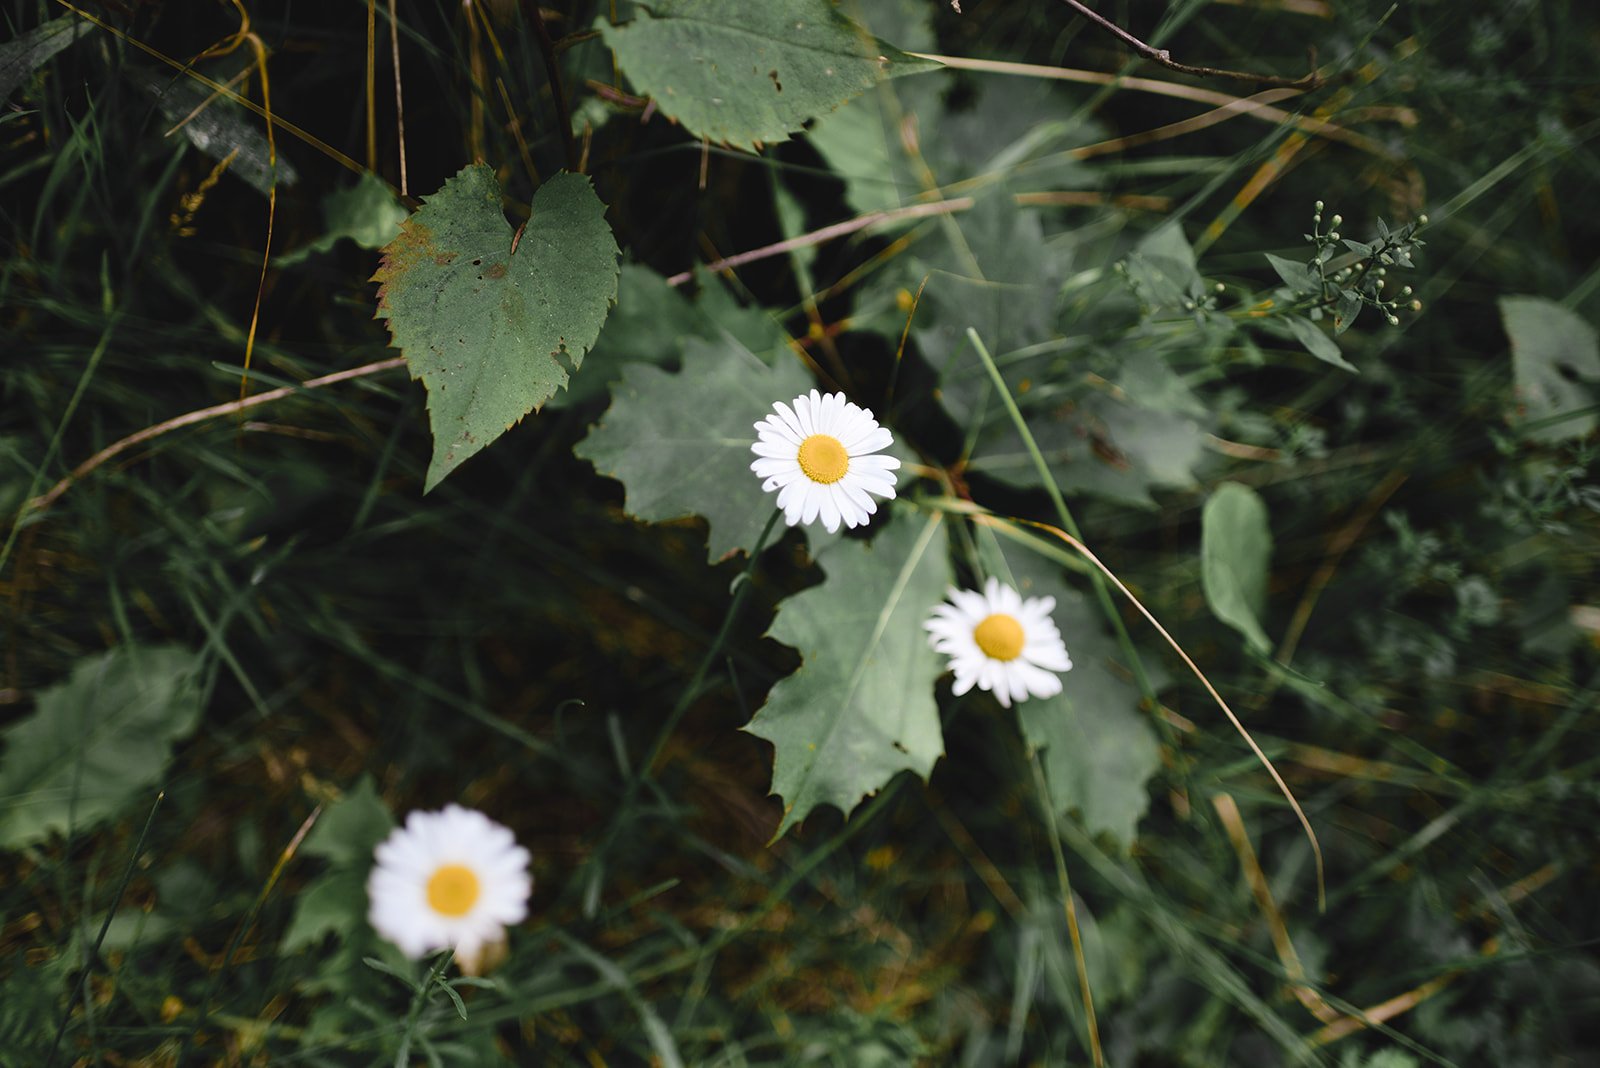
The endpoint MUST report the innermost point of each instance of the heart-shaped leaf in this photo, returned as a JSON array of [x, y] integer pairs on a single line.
[[483, 314]]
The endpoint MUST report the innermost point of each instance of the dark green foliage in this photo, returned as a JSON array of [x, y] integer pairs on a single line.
[[1417, 654]]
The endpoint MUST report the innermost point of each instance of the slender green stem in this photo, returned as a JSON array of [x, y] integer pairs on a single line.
[[418, 1000], [1047, 807], [690, 692], [105, 926], [1064, 514]]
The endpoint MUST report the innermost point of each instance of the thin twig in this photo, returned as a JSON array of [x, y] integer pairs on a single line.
[[1257, 105], [828, 233], [45, 500], [1164, 57]]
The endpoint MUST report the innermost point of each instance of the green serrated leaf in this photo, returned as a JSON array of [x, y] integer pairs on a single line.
[[1235, 550], [680, 443], [1317, 343], [21, 57], [1297, 276], [1099, 750], [1552, 348], [484, 326], [334, 903], [345, 835], [367, 213], [97, 741], [350, 828], [860, 709], [745, 73]]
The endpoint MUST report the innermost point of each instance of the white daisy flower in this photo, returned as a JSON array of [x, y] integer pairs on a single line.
[[1000, 642], [818, 456], [452, 878]]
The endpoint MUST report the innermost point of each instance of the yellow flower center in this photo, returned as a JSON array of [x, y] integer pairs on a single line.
[[823, 459], [453, 890], [999, 636]]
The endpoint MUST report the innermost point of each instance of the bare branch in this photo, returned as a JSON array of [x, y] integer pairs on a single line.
[[1160, 55]]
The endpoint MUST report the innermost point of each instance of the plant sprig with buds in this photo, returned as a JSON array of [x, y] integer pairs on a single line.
[[1346, 281]]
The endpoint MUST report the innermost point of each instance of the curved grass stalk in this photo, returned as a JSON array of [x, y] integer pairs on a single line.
[[1042, 786], [1266, 762], [1074, 540], [200, 415]]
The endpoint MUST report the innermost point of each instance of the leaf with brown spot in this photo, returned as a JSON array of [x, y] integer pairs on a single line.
[[484, 320]]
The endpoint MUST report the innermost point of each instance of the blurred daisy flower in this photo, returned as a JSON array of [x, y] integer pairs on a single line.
[[449, 879], [1000, 642], [818, 455]]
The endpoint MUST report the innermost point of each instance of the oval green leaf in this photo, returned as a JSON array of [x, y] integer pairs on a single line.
[[1235, 550]]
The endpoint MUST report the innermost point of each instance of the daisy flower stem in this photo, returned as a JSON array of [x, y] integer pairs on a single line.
[[1238, 725], [1048, 806], [402, 1056], [690, 692], [1064, 514]]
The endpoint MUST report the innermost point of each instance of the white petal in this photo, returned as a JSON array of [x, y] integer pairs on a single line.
[[813, 502], [828, 414], [1038, 682], [790, 420], [830, 509], [872, 440], [874, 463], [767, 466]]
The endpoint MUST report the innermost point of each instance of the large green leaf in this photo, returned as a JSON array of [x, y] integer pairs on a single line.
[[743, 73], [1552, 350], [97, 741], [860, 709], [1099, 750], [483, 316], [1119, 445], [345, 836], [654, 320], [680, 443], [1235, 550], [367, 213]]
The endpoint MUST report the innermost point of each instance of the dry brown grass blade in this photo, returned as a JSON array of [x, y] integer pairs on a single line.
[[399, 97], [1283, 787], [828, 233], [45, 500], [1258, 105], [217, 87], [1282, 944], [372, 85]]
